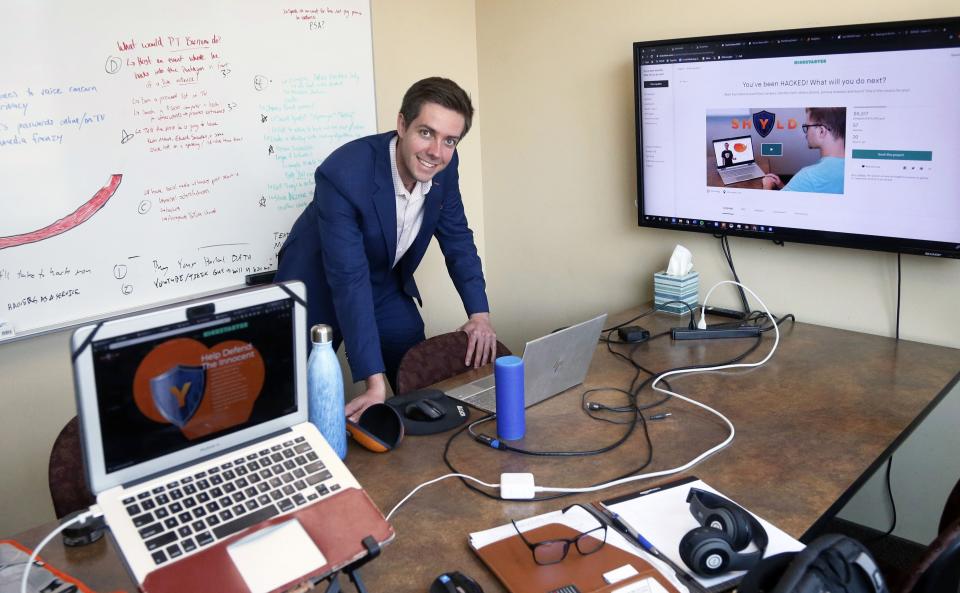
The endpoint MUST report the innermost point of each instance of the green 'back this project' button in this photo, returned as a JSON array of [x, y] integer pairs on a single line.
[[771, 149], [894, 155]]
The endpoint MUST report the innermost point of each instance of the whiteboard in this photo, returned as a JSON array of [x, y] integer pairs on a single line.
[[150, 152]]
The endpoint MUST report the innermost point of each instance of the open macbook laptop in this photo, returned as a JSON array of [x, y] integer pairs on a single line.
[[551, 364], [735, 160], [194, 430]]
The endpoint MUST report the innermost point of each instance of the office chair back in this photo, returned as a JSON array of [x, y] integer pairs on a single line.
[[939, 569], [67, 472], [434, 360], [951, 509]]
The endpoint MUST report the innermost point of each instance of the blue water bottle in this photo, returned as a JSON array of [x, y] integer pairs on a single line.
[[325, 389], [508, 375]]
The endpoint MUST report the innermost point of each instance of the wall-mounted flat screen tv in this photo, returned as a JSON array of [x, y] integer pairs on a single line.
[[844, 136]]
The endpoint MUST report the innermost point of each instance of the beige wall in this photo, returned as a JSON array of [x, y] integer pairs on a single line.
[[559, 175], [411, 40]]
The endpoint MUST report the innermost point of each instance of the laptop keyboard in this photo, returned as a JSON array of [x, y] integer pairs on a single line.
[[185, 515], [485, 383], [741, 173], [740, 177], [486, 400]]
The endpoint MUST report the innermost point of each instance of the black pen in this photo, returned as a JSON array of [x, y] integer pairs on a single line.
[[621, 525]]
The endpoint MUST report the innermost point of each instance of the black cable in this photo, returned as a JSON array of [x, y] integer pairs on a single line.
[[638, 416], [641, 467], [653, 375], [629, 360], [755, 317], [631, 395], [899, 278], [631, 320], [589, 407], [893, 504], [498, 444], [728, 254], [666, 397], [655, 309]]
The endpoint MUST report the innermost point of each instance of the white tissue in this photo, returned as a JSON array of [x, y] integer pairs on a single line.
[[681, 262]]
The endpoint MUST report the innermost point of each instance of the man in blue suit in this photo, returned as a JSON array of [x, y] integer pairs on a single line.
[[378, 202]]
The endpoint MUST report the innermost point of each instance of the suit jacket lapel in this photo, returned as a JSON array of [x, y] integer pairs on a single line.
[[431, 212], [384, 198]]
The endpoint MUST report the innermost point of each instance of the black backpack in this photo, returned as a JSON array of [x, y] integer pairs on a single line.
[[829, 564]]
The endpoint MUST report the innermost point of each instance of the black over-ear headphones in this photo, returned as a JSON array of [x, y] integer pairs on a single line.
[[714, 547]]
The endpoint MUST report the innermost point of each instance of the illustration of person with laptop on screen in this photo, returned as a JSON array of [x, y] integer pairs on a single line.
[[762, 148], [726, 155], [824, 130], [735, 161]]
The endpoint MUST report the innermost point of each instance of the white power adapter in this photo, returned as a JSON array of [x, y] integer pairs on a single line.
[[516, 486]]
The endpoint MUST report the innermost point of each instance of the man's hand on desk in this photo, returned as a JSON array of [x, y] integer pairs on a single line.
[[771, 181], [481, 340], [376, 393]]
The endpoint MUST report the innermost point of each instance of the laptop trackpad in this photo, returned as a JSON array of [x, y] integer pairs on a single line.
[[275, 556]]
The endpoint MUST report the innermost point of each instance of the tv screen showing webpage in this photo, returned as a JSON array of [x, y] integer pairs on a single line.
[[855, 130]]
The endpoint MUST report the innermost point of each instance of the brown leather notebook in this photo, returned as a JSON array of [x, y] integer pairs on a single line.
[[510, 559], [337, 525]]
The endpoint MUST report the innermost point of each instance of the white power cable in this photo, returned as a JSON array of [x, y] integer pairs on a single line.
[[653, 385], [36, 552], [415, 490]]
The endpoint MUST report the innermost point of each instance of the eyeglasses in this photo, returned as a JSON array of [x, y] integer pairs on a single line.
[[806, 127], [553, 551]]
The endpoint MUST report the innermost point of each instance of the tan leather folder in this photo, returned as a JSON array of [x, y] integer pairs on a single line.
[[510, 559]]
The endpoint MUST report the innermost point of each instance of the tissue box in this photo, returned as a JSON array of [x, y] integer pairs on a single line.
[[676, 288]]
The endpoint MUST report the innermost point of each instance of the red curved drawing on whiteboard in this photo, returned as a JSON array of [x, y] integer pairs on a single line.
[[77, 217]]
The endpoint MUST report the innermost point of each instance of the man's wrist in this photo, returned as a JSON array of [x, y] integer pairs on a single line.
[[377, 385]]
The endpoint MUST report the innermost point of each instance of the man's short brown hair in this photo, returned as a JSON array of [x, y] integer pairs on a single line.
[[834, 118], [442, 91]]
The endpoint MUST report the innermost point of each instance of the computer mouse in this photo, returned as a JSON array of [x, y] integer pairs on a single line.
[[85, 532], [455, 582], [436, 412], [424, 410]]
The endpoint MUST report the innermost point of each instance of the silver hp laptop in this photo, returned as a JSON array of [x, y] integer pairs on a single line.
[[551, 364], [735, 160], [194, 423]]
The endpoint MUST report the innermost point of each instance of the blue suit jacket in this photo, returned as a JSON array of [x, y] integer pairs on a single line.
[[343, 245]]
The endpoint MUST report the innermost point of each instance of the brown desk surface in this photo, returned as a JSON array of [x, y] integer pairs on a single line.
[[811, 425]]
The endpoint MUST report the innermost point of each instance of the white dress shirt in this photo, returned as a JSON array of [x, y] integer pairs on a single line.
[[409, 206]]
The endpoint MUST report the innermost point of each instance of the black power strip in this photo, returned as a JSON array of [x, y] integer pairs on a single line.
[[721, 312], [685, 333]]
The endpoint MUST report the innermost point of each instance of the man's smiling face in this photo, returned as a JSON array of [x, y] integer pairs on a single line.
[[426, 144]]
